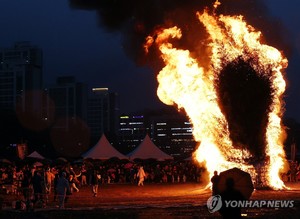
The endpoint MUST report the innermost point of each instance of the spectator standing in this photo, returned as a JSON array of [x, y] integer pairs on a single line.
[[215, 180], [37, 182], [231, 194], [72, 183], [95, 182], [49, 177], [83, 175], [55, 181], [33, 169], [25, 183], [141, 175], [62, 189], [294, 171]]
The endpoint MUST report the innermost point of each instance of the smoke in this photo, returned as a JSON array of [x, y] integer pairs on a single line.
[[136, 19]]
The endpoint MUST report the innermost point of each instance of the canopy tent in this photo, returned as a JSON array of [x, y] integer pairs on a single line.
[[103, 150], [148, 150], [36, 155], [5, 161], [189, 158]]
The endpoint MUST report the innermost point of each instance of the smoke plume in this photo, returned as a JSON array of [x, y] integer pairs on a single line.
[[136, 19]]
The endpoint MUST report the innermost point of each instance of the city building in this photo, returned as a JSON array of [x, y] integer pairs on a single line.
[[66, 102], [132, 131], [172, 133], [21, 74], [103, 114]]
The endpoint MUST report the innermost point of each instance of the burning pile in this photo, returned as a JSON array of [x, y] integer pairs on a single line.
[[217, 69], [233, 96]]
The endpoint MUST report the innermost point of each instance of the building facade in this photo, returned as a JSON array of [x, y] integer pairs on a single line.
[[173, 134], [170, 131], [21, 76], [132, 131], [103, 114], [66, 102]]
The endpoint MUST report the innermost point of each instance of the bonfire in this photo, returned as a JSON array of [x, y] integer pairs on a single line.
[[235, 101]]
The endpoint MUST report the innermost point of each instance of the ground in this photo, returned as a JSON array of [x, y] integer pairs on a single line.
[[166, 201]]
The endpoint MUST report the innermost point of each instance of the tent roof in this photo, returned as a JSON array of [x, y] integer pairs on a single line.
[[35, 154], [147, 150], [103, 150]]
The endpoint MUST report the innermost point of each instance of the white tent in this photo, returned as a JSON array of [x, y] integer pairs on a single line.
[[36, 155], [103, 150], [148, 150]]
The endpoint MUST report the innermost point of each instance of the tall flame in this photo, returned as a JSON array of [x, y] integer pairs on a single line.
[[185, 82]]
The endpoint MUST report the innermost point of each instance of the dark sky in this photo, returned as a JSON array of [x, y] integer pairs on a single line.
[[76, 42]]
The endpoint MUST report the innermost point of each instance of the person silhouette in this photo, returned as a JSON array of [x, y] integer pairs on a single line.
[[215, 181], [230, 194]]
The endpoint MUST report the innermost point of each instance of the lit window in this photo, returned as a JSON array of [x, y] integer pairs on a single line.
[[161, 135]]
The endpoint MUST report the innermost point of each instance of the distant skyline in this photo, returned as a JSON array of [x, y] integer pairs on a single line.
[[74, 43]]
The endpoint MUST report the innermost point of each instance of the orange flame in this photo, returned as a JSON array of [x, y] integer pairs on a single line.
[[185, 82]]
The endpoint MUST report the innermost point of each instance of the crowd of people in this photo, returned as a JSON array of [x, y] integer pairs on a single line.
[[36, 183]]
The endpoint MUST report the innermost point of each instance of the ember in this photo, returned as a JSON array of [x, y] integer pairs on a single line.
[[234, 101]]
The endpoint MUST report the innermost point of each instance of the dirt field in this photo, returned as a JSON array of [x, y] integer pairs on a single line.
[[166, 201]]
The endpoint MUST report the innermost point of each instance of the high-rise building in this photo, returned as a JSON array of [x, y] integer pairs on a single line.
[[103, 113], [132, 131], [169, 130], [21, 71], [172, 133], [69, 99]]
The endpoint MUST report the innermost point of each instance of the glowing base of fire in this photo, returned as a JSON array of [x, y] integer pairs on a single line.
[[259, 172]]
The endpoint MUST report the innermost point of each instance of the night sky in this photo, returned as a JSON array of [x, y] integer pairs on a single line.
[[77, 40]]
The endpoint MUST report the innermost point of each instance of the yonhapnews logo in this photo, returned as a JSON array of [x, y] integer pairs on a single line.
[[214, 203]]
